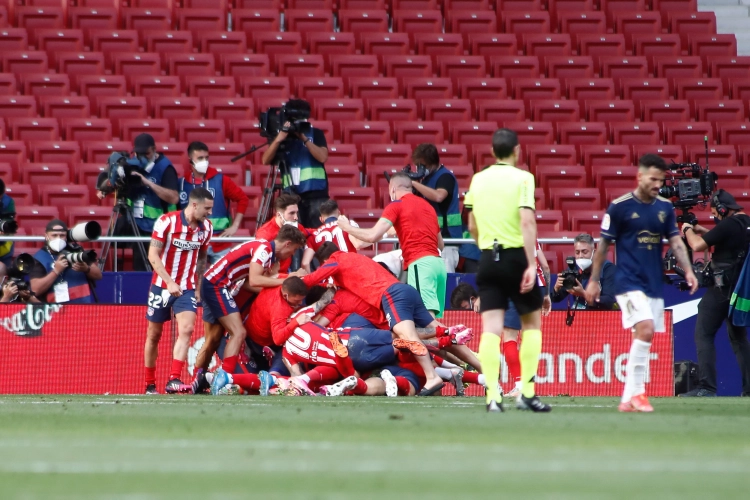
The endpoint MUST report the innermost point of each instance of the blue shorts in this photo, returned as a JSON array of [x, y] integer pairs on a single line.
[[401, 302], [217, 303], [409, 375], [277, 362], [161, 304], [370, 348], [354, 320], [512, 318]]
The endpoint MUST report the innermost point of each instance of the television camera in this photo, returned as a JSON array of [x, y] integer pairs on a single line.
[[415, 175], [273, 121]]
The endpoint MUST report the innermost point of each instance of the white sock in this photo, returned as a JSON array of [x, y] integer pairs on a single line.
[[304, 378], [444, 373], [231, 379], [635, 375], [519, 385], [480, 379], [448, 364]]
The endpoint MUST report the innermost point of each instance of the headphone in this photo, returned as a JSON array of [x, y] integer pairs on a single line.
[[721, 209]]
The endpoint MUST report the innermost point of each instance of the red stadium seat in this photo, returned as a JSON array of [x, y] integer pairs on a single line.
[[36, 18], [665, 111], [439, 44], [582, 133], [631, 23], [201, 20], [601, 45], [108, 41], [211, 86], [585, 221], [730, 66], [617, 67], [25, 61], [180, 42], [342, 154], [354, 65], [272, 42], [608, 178], [644, 88], [492, 44], [470, 133], [428, 88], [669, 152], [136, 64], [482, 88], [456, 67], [555, 110], [326, 43], [453, 154], [13, 153], [45, 173], [570, 67], [414, 133], [446, 110], [62, 196], [222, 154], [45, 84], [97, 152], [88, 129], [246, 132], [553, 177], [500, 110], [363, 21], [720, 111], [353, 198], [580, 22], [386, 154], [733, 175], [468, 22], [122, 107], [662, 44], [687, 133], [55, 151], [700, 88], [143, 19], [94, 18], [17, 106], [14, 39], [300, 65], [78, 214], [157, 128], [265, 86], [547, 44], [576, 198], [202, 130], [635, 133], [59, 40], [392, 110], [584, 89], [384, 43], [525, 22], [375, 88], [176, 108], [538, 155], [532, 132], [740, 88], [689, 23], [709, 46], [678, 67], [407, 66], [21, 194], [472, 5], [35, 218], [514, 66], [735, 133], [309, 20], [341, 176], [65, 106], [175, 151], [245, 65], [417, 21], [339, 109], [251, 20], [536, 88], [724, 155], [94, 86], [667, 6], [610, 110], [366, 132], [190, 64], [594, 156], [8, 84], [80, 63], [152, 86], [314, 87], [549, 220]]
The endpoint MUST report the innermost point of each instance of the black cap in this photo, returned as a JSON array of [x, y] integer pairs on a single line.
[[725, 199], [142, 143], [56, 225]]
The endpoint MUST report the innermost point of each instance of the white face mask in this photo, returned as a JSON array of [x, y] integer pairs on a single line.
[[201, 166], [57, 245], [287, 222], [583, 264]]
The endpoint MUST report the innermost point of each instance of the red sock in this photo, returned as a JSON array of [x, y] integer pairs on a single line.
[[177, 367], [324, 374], [248, 381], [345, 366], [440, 331], [229, 364], [510, 351], [471, 377], [444, 342], [361, 388], [437, 359], [150, 375], [403, 386]]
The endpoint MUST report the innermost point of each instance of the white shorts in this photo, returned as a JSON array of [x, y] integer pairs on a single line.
[[637, 307], [450, 257]]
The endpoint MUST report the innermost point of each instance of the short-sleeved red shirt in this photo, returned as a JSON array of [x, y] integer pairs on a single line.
[[416, 226]]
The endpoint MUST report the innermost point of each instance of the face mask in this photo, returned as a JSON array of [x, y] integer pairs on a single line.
[[57, 245], [393, 198], [201, 166], [583, 263], [146, 162], [287, 222]]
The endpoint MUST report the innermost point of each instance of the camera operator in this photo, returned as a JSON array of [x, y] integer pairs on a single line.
[[224, 191], [440, 188], [54, 278], [304, 157], [7, 216], [730, 241], [150, 196], [583, 245]]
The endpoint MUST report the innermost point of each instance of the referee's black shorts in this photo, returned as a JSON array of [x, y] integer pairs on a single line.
[[500, 281]]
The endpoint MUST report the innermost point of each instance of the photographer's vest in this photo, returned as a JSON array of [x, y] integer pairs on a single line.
[[220, 215], [450, 220], [312, 173], [74, 282], [6, 247], [147, 206]]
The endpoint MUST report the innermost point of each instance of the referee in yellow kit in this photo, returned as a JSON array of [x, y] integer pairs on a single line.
[[503, 223]]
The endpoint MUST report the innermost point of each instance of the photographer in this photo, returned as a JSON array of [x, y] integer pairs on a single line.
[[730, 241], [440, 188], [224, 191], [7, 216], [54, 278], [583, 245], [150, 195], [303, 157]]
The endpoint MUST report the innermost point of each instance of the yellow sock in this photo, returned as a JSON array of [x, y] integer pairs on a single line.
[[531, 348], [489, 348]]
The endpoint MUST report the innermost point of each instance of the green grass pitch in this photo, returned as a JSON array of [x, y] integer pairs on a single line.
[[141, 448]]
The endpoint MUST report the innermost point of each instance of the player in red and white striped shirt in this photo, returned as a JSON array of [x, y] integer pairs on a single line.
[[178, 252], [330, 231]]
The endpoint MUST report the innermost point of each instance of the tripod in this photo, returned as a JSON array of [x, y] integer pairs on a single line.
[[121, 207], [270, 188]]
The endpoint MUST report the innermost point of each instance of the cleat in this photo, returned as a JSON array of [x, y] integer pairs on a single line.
[[323, 391], [229, 390], [209, 378], [391, 387], [266, 382], [698, 393], [339, 388], [516, 391], [533, 404], [339, 348], [495, 407], [640, 403], [461, 337], [175, 386], [151, 389], [626, 407], [302, 386], [201, 383], [221, 378], [457, 379], [413, 346]]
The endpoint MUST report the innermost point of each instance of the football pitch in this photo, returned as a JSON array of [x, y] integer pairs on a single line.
[[234, 447]]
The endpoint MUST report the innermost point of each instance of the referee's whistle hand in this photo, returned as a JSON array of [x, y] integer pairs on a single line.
[[529, 278]]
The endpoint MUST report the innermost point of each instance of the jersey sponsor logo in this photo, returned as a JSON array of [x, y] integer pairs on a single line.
[[263, 255], [212, 191], [183, 196], [28, 322], [186, 245], [662, 216], [150, 311], [647, 237], [605, 222], [635, 216]]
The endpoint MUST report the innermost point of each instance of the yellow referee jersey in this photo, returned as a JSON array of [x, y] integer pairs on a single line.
[[495, 195]]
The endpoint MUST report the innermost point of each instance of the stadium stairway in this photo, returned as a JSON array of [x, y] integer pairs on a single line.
[[732, 17]]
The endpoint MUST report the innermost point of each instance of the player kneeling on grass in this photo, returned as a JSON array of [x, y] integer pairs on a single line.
[[177, 253]]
